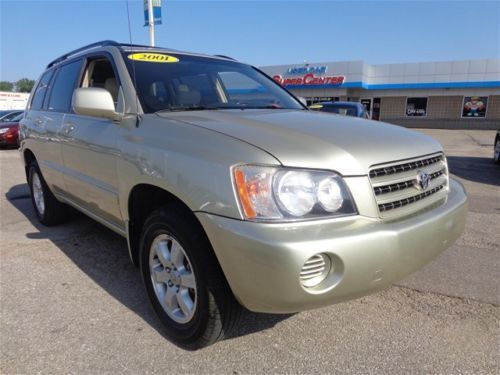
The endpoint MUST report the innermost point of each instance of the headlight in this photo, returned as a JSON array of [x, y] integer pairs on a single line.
[[269, 193], [4, 130], [296, 192], [330, 194]]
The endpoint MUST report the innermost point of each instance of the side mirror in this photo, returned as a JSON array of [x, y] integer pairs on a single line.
[[94, 101], [302, 100]]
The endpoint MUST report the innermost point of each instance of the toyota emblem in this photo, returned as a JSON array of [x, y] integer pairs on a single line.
[[423, 180]]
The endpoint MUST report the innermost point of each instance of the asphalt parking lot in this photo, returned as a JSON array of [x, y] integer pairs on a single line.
[[71, 301]]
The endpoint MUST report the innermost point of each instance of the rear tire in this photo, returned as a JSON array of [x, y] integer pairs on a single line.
[[47, 208], [183, 280]]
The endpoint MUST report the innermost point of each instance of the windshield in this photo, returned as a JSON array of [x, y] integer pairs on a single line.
[[18, 118], [197, 83], [10, 116]]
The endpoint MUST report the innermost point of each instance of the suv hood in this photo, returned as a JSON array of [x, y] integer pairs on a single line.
[[308, 139]]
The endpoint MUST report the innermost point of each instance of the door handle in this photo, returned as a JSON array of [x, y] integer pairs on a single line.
[[38, 121]]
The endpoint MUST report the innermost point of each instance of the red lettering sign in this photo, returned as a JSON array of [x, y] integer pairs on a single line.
[[309, 80]]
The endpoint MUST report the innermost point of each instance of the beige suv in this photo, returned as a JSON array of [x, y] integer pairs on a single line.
[[229, 191]]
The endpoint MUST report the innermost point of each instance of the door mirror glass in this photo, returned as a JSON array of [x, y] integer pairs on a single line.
[[94, 101]]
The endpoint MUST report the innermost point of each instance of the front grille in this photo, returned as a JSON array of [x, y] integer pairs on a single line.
[[398, 190], [404, 167], [403, 202]]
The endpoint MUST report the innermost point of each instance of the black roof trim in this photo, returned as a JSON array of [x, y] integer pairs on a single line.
[[138, 45], [225, 57], [102, 43]]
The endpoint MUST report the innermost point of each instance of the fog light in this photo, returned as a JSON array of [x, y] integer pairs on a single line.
[[315, 270]]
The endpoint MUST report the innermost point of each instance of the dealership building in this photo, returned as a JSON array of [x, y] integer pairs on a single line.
[[452, 94]]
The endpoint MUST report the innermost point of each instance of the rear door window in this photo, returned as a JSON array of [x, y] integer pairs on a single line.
[[64, 85], [41, 90]]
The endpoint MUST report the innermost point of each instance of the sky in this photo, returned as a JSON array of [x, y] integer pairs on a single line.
[[257, 32]]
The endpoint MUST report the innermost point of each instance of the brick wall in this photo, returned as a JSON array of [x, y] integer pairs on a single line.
[[444, 107], [443, 112], [392, 107], [493, 111]]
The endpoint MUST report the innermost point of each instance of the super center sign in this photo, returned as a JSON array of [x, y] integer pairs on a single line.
[[308, 76]]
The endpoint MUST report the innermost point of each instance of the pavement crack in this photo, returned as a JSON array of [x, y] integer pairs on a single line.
[[462, 299], [478, 143]]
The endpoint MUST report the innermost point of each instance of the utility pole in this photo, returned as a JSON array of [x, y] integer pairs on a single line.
[[151, 24]]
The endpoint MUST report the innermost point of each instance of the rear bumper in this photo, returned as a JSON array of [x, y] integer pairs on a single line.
[[8, 141], [262, 261]]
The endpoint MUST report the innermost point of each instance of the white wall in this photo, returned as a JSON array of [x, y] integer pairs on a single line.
[[425, 72], [13, 100]]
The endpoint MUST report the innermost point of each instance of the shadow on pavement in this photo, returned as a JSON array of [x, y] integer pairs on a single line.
[[103, 256], [477, 169]]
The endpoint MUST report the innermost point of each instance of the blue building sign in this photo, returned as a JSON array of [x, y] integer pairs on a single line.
[[301, 70], [156, 12]]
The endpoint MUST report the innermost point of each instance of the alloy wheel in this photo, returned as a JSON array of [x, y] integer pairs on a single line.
[[36, 185], [173, 279]]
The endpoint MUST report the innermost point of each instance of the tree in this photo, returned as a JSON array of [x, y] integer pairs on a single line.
[[24, 85], [6, 86]]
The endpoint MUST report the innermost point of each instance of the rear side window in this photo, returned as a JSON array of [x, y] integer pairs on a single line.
[[62, 89], [39, 95]]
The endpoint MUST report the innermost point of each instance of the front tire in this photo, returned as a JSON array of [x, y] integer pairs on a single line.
[[47, 208], [183, 280]]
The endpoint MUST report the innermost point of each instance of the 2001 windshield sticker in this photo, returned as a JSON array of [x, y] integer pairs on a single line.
[[153, 57]]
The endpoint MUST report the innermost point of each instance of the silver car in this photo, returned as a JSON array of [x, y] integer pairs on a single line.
[[229, 191]]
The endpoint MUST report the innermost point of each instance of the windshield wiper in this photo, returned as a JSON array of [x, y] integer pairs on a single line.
[[222, 107], [182, 108], [263, 107]]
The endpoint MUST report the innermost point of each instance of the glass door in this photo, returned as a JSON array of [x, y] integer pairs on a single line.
[[367, 103], [376, 109]]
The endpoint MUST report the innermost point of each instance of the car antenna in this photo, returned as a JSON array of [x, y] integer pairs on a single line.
[[138, 116]]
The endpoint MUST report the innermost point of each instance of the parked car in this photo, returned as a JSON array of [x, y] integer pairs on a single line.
[[8, 116], [496, 148], [229, 191], [353, 109], [9, 132]]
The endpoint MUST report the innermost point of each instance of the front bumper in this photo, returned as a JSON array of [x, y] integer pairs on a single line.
[[262, 261]]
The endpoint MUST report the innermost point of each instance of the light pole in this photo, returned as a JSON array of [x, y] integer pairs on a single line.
[[151, 23]]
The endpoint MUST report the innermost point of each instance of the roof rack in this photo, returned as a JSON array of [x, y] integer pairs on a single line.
[[102, 43], [225, 57]]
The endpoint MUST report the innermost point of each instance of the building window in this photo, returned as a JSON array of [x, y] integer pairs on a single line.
[[416, 107], [474, 106]]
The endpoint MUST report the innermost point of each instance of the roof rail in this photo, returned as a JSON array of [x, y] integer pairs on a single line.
[[138, 45], [102, 43], [225, 57]]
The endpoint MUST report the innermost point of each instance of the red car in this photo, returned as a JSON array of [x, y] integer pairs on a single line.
[[9, 132]]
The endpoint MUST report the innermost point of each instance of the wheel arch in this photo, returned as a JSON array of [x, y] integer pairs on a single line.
[[143, 199], [28, 157]]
